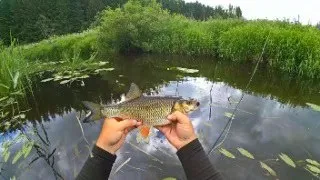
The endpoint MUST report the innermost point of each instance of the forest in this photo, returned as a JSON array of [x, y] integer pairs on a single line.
[[34, 20]]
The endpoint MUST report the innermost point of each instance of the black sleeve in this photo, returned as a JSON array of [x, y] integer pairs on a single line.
[[97, 167], [196, 163]]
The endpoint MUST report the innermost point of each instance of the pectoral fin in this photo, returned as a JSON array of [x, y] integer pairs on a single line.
[[143, 134]]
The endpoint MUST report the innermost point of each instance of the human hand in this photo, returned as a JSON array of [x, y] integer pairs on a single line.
[[180, 132], [114, 132]]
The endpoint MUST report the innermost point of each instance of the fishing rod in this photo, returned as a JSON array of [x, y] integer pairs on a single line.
[[229, 123]]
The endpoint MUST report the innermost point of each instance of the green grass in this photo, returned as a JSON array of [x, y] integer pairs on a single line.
[[56, 47], [292, 48]]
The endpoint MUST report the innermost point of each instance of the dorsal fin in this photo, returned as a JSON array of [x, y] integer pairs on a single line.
[[133, 93]]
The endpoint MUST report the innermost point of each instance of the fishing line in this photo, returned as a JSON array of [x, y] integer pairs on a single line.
[[229, 123]]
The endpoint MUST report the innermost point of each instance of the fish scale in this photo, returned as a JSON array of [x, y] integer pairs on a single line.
[[151, 110]]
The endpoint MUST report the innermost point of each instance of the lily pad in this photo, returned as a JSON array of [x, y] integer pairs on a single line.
[[313, 162], [226, 153], [245, 153], [314, 106], [313, 169], [17, 157], [268, 168], [285, 158], [6, 156]]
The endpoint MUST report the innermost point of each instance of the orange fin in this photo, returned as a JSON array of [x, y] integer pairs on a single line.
[[143, 135], [144, 131]]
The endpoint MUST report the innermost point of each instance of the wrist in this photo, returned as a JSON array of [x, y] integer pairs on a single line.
[[186, 142], [105, 146]]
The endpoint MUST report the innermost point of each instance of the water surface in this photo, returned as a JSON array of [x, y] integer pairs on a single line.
[[271, 119]]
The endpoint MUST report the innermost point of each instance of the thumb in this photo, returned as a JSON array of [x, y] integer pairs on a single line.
[[127, 123], [179, 117]]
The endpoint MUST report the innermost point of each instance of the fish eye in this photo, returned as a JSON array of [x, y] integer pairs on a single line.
[[188, 102]]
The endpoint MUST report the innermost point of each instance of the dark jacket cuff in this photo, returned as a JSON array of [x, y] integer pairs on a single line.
[[97, 151], [189, 149]]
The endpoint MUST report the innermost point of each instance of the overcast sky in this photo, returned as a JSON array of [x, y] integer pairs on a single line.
[[309, 10]]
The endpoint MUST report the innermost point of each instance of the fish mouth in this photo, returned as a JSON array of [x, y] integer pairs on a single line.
[[197, 104]]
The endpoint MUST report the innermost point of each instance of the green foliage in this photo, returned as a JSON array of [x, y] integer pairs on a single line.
[[145, 27], [33, 20], [139, 27], [56, 48], [131, 28], [13, 68], [290, 47]]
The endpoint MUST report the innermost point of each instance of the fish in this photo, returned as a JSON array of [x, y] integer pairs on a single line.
[[150, 110]]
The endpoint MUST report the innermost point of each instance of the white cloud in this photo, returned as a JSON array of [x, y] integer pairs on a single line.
[[308, 10]]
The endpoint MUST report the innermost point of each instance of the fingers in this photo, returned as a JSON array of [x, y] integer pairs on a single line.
[[128, 124], [179, 117], [163, 129]]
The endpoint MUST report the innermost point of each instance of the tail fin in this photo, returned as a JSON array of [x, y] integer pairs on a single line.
[[95, 111]]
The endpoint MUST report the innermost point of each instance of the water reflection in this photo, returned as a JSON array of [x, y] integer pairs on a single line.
[[271, 119]]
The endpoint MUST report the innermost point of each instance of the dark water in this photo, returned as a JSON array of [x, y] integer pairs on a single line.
[[272, 118]]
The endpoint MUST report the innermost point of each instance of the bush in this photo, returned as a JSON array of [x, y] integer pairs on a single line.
[[131, 28]]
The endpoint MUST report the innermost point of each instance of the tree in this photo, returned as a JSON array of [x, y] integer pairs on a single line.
[[318, 25]]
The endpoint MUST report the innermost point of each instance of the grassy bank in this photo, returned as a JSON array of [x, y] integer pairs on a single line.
[[293, 48]]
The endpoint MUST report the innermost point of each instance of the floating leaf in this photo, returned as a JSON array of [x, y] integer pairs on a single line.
[[314, 106], [27, 149], [314, 169], [185, 70], [15, 80], [104, 69], [6, 156], [13, 178], [65, 81], [169, 178], [287, 160], [47, 80], [268, 168], [229, 115], [226, 153], [313, 162], [245, 153], [17, 157]]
